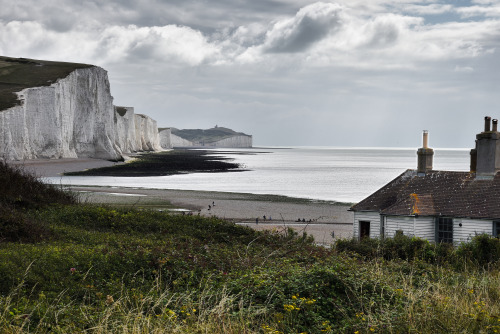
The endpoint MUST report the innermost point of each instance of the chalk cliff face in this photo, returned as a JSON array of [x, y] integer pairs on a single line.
[[215, 137], [236, 141], [74, 118], [165, 138], [71, 118], [177, 141], [146, 132], [231, 142], [125, 130]]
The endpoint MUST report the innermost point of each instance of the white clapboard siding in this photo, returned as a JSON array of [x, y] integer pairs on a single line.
[[395, 223], [470, 228], [373, 218], [425, 228]]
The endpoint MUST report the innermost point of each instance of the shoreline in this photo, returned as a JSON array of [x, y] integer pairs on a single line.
[[322, 217]]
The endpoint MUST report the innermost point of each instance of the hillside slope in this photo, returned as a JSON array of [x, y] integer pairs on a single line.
[[216, 137]]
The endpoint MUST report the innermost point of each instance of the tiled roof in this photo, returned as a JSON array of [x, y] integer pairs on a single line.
[[437, 193]]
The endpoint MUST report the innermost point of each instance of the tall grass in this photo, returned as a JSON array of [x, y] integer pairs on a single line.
[[94, 269]]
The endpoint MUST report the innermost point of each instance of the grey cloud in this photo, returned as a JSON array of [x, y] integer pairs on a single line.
[[206, 16], [306, 34], [384, 34], [309, 26]]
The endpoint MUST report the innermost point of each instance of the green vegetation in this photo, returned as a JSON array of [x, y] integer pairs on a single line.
[[17, 74], [101, 269], [166, 163], [206, 136]]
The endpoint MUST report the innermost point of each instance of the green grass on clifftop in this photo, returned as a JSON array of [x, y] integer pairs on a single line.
[[17, 74]]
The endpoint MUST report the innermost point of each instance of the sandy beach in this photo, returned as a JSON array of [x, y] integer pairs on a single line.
[[326, 221]]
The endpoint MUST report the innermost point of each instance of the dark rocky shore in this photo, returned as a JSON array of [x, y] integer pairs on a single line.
[[166, 163]]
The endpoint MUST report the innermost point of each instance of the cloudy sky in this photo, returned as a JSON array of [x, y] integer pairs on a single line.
[[289, 72]]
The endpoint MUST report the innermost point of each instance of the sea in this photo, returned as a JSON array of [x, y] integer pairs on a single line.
[[339, 174]]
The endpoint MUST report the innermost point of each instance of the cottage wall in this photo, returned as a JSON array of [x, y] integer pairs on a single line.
[[373, 218], [405, 224], [422, 227], [425, 228], [470, 228]]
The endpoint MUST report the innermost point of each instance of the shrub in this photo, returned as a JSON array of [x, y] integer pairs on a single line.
[[483, 250], [15, 226], [23, 190]]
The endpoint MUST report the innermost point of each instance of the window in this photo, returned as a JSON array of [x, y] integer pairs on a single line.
[[496, 228], [444, 230], [382, 226], [364, 229]]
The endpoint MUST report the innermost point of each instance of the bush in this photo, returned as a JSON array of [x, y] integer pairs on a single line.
[[483, 250], [15, 226], [23, 190]]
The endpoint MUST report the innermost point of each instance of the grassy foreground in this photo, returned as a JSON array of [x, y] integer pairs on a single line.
[[72, 268]]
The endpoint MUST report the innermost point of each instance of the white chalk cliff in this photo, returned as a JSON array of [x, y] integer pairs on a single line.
[[146, 132], [165, 138], [236, 141], [73, 118], [217, 137], [125, 137], [177, 141]]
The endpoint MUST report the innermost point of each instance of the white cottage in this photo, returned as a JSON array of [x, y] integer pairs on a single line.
[[440, 206]]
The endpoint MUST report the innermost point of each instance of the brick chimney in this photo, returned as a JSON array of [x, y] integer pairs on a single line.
[[425, 155], [487, 150]]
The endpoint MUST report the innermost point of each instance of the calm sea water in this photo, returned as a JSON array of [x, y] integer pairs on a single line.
[[323, 173]]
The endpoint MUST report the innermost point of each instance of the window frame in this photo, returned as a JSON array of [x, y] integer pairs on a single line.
[[496, 229], [368, 223], [444, 230]]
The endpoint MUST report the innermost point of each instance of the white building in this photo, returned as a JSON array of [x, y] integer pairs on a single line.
[[440, 206]]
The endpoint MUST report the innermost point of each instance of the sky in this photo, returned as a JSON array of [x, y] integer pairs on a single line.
[[289, 72]]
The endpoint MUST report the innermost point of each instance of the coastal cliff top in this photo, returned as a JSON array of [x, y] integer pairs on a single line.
[[208, 136], [17, 74]]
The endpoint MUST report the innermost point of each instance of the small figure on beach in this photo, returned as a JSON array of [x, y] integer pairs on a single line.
[[209, 207], [257, 221], [213, 203], [264, 217]]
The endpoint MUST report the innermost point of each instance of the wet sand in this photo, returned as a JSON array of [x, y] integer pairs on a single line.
[[56, 167], [323, 219]]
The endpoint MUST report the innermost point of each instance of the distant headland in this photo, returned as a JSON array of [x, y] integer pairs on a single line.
[[214, 137]]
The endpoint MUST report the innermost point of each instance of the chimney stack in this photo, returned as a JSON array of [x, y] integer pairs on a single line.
[[487, 123], [425, 155], [487, 151], [473, 160]]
